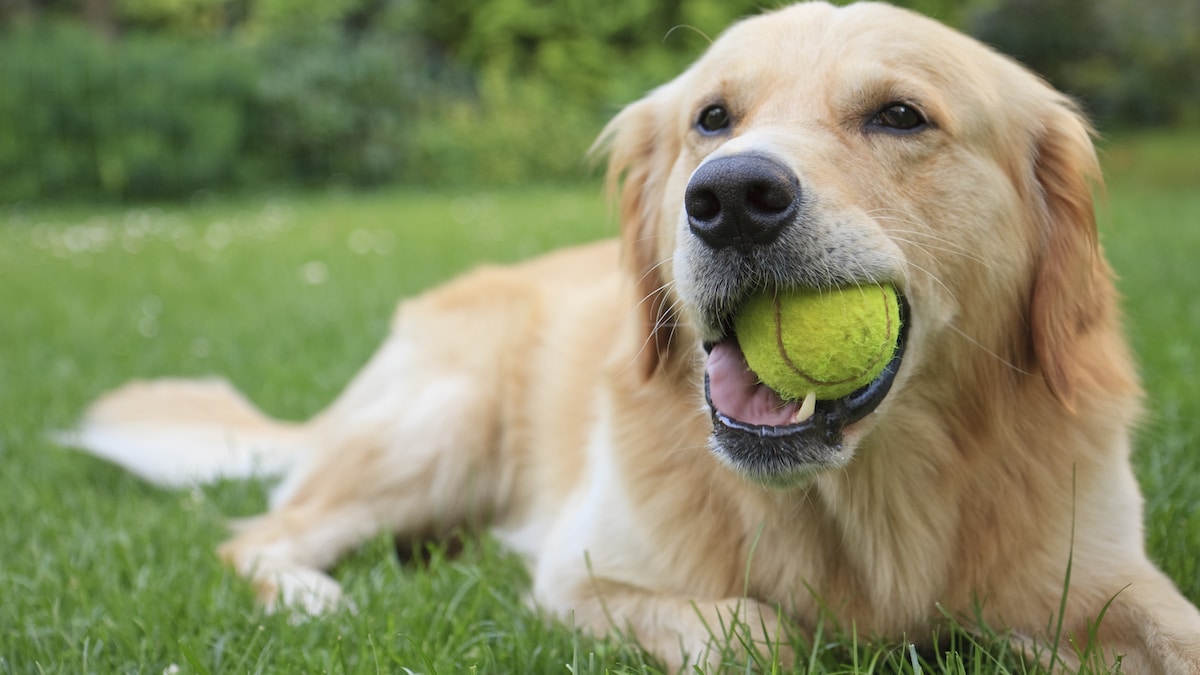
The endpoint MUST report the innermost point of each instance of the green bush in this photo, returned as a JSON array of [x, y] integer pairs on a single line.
[[1132, 64], [144, 117], [332, 110]]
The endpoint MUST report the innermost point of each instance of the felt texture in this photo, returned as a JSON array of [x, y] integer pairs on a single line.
[[827, 341]]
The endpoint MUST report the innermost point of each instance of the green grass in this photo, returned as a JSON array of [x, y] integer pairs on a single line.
[[288, 296], [1151, 231]]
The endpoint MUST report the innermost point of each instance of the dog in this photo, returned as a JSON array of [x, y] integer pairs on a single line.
[[593, 409]]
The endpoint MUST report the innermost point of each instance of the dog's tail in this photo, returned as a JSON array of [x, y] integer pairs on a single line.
[[176, 432]]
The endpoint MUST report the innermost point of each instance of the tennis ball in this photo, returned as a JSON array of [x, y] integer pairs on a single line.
[[828, 342]]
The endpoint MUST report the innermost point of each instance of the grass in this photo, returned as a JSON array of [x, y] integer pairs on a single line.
[[288, 296], [1151, 228]]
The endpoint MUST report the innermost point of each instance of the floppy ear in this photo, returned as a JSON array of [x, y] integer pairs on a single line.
[[641, 150], [1073, 292]]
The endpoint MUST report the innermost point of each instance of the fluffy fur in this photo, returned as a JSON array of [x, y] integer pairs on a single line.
[[562, 401]]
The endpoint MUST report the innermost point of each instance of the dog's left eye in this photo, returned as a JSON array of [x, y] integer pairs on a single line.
[[899, 117], [713, 119]]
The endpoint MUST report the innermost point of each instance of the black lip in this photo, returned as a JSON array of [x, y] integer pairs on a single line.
[[769, 451]]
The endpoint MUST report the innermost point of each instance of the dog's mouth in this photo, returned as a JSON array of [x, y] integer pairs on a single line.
[[771, 439]]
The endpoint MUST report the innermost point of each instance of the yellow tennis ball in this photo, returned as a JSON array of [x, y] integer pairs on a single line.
[[828, 341]]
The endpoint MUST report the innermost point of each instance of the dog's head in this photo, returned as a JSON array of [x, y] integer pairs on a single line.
[[820, 147]]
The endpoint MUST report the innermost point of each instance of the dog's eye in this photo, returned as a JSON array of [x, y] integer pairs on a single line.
[[899, 117], [713, 119]]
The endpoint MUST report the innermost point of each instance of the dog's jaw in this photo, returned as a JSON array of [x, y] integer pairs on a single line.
[[775, 442]]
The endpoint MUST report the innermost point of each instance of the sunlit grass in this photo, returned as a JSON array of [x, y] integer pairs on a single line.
[[287, 296]]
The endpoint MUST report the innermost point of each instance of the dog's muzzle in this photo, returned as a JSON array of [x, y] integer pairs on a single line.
[[741, 208]]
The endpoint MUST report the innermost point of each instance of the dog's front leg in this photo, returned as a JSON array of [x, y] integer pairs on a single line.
[[415, 472], [412, 447], [1148, 627], [581, 588], [678, 631]]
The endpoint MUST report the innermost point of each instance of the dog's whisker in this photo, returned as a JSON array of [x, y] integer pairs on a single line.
[[687, 26], [929, 249], [976, 343], [928, 273], [665, 319], [944, 244]]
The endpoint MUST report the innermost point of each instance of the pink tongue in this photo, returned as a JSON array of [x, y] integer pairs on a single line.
[[736, 392]]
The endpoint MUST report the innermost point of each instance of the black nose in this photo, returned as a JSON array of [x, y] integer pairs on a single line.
[[741, 200]]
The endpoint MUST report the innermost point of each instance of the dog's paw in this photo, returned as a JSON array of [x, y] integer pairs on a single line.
[[303, 592]]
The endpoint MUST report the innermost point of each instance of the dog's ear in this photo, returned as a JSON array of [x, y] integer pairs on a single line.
[[641, 150], [1073, 292]]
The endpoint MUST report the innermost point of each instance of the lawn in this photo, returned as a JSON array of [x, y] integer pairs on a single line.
[[287, 295]]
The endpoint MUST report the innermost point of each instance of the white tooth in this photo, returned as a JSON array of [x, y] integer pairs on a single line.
[[807, 408]]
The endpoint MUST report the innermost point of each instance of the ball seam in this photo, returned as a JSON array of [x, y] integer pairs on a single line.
[[890, 342]]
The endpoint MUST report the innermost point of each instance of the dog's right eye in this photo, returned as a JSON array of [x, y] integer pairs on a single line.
[[713, 119], [899, 118]]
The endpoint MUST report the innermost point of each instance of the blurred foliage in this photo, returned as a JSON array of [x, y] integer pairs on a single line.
[[329, 110], [160, 98], [151, 117], [1131, 62]]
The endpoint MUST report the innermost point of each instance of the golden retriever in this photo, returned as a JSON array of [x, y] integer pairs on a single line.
[[594, 410]]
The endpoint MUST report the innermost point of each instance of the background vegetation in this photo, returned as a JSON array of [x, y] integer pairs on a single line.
[[136, 99]]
